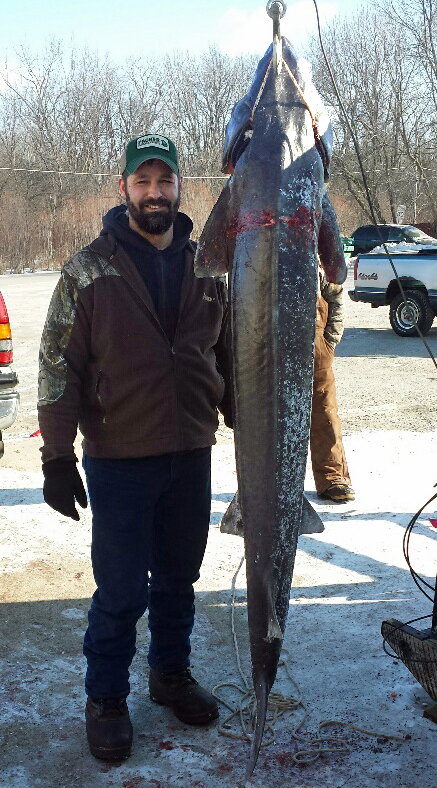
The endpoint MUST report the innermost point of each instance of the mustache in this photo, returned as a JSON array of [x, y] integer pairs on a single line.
[[161, 202]]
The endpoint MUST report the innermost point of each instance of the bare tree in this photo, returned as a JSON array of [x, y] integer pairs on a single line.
[[418, 21], [376, 82], [65, 117], [201, 95]]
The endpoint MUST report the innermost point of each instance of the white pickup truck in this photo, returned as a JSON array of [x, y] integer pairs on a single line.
[[375, 284]]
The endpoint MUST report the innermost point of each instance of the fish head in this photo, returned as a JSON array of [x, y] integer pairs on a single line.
[[277, 147], [263, 98]]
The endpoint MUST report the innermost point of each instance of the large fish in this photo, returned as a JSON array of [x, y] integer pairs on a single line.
[[267, 229]]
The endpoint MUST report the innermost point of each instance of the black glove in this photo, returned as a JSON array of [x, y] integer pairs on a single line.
[[63, 486]]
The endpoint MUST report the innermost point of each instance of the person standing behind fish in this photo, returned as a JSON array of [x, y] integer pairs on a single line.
[[330, 470], [131, 354]]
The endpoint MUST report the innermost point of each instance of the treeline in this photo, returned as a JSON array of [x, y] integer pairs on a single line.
[[72, 112], [385, 63], [63, 113]]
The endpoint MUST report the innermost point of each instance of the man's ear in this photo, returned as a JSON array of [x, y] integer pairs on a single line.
[[122, 188]]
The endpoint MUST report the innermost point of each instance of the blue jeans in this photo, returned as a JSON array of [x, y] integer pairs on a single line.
[[150, 528]]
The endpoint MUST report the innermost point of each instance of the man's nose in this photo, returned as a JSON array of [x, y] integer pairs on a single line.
[[153, 190]]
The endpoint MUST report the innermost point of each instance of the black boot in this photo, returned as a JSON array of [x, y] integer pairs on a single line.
[[184, 696], [108, 728]]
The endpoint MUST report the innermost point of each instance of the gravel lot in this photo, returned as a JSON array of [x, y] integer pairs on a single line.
[[384, 382]]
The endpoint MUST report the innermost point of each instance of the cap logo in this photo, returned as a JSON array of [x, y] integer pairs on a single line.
[[153, 141]]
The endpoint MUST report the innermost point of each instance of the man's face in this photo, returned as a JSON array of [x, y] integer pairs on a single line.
[[152, 196]]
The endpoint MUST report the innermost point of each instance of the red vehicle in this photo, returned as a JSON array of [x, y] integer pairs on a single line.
[[9, 398]]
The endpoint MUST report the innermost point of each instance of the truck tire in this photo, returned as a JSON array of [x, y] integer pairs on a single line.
[[401, 316]]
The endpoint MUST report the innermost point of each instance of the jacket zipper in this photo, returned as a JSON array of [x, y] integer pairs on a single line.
[[176, 398], [99, 395]]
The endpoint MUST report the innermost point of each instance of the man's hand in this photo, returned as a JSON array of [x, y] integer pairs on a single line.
[[63, 487]]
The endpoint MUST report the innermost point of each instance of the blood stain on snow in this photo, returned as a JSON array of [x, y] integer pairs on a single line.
[[283, 757], [166, 745], [225, 767], [133, 782]]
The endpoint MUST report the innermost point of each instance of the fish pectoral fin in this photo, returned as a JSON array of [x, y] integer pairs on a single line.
[[274, 631], [232, 521], [310, 522], [330, 245], [213, 255]]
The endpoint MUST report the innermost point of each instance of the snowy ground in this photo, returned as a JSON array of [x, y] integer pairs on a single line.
[[346, 582]]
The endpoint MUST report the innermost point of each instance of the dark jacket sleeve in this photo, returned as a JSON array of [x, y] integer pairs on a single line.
[[333, 295], [223, 356]]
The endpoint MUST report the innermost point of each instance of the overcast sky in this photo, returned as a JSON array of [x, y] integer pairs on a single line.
[[151, 27]]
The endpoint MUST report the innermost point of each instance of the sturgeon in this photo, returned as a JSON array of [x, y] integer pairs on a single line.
[[271, 223]]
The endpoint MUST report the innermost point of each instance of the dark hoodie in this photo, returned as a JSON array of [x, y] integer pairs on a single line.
[[162, 270], [108, 366]]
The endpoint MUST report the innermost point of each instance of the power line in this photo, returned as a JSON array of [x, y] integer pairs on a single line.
[[104, 174], [185, 177]]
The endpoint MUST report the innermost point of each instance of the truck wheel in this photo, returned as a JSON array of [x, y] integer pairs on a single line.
[[417, 309]]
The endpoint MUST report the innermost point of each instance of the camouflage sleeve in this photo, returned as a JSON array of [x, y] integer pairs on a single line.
[[62, 359], [333, 295], [330, 245]]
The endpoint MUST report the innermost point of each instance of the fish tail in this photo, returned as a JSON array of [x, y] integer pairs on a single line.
[[262, 690]]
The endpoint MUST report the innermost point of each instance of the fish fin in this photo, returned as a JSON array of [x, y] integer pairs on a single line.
[[310, 522], [232, 521], [330, 245], [262, 690], [212, 255], [274, 631]]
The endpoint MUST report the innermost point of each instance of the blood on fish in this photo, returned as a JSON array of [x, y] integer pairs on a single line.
[[251, 222], [303, 220]]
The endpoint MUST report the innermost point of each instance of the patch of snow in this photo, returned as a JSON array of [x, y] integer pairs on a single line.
[[72, 613], [403, 248]]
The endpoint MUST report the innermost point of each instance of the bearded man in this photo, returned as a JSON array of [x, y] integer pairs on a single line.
[[133, 353]]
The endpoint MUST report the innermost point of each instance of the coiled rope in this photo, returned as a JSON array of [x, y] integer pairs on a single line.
[[244, 711]]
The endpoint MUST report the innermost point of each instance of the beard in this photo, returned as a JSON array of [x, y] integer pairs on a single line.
[[153, 223]]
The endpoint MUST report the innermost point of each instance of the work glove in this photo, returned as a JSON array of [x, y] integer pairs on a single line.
[[63, 487]]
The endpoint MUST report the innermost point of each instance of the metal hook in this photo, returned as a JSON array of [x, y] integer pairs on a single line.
[[276, 10]]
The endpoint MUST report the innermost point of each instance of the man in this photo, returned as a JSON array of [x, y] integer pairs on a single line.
[[130, 354], [328, 459]]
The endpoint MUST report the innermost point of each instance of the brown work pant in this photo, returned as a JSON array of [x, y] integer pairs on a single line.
[[327, 452]]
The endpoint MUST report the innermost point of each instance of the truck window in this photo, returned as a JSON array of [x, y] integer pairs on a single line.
[[394, 235], [384, 232], [360, 233]]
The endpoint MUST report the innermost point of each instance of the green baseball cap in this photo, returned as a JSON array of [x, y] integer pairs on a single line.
[[149, 146]]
